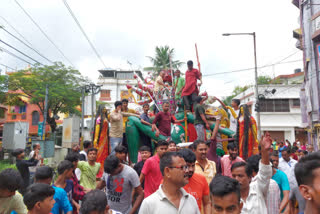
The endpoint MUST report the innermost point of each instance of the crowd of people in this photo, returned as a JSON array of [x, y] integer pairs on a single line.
[[175, 181], [274, 178]]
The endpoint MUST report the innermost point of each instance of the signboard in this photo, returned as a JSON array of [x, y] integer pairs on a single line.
[[315, 25], [318, 54], [71, 131], [40, 128], [87, 105]]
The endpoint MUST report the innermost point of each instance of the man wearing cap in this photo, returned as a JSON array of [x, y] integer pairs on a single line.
[[190, 90]]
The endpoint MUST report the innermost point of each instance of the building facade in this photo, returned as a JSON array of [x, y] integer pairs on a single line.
[[309, 42], [280, 112], [26, 113], [114, 85]]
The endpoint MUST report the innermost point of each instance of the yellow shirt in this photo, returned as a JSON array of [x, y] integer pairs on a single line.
[[157, 86], [125, 118], [209, 170]]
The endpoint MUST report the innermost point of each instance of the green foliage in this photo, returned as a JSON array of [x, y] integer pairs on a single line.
[[3, 87], [5, 164], [237, 90], [264, 80], [161, 60], [64, 93]]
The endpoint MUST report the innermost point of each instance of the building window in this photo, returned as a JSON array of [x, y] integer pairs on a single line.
[[105, 93], [124, 76], [13, 117], [22, 109], [274, 105], [35, 118], [2, 113], [296, 103]]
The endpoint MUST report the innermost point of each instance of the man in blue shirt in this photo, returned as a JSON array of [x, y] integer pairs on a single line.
[[44, 175], [281, 179]]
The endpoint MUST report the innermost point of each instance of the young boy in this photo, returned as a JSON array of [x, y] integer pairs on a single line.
[[78, 190], [172, 146], [95, 202], [151, 173], [44, 175], [39, 199], [200, 121], [121, 154], [146, 140], [65, 171], [89, 170], [145, 154], [10, 182], [23, 165]]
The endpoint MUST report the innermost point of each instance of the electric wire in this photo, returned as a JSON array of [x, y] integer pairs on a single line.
[[4, 65], [84, 33], [16, 31], [247, 69], [19, 51], [12, 54], [42, 31], [26, 45]]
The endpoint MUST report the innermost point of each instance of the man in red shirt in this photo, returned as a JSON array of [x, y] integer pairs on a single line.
[[151, 174], [228, 160], [190, 90], [164, 120], [198, 186]]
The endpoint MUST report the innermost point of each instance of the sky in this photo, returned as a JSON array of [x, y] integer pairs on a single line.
[[129, 30]]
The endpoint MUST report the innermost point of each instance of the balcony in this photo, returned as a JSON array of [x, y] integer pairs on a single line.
[[11, 117]]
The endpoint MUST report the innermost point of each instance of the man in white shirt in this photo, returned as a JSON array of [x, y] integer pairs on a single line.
[[273, 195], [254, 189], [287, 165], [171, 198]]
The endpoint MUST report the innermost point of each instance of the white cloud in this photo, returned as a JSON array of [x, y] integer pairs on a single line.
[[130, 30]]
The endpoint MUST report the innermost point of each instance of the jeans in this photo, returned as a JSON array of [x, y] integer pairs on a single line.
[[114, 142], [189, 100], [200, 132]]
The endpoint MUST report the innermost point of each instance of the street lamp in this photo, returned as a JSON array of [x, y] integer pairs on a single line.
[[255, 72]]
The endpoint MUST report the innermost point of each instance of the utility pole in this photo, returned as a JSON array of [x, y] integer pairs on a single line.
[[82, 111], [256, 84], [95, 89], [92, 107], [43, 135], [255, 74]]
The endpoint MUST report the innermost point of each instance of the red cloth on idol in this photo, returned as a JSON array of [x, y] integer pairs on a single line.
[[191, 82]]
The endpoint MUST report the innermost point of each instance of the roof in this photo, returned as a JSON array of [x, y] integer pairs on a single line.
[[111, 72], [288, 76]]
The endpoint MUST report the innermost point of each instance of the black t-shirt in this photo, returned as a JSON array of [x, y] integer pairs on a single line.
[[138, 167], [23, 167]]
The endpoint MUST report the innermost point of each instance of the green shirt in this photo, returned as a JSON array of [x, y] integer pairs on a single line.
[[180, 84], [88, 174], [199, 109]]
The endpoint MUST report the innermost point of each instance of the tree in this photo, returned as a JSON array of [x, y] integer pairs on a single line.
[[264, 80], [237, 90], [3, 87], [161, 60], [64, 93]]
